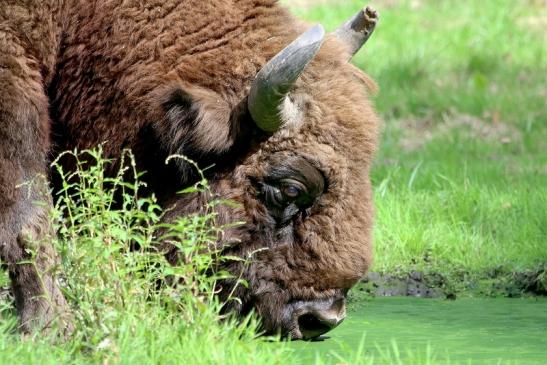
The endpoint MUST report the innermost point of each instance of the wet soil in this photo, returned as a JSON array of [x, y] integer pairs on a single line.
[[494, 282]]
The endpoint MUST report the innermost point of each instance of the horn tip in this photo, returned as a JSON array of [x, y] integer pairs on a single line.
[[366, 20], [370, 12], [357, 30]]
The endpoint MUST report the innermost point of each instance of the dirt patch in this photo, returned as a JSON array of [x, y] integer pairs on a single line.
[[532, 282], [494, 282], [413, 284], [416, 132]]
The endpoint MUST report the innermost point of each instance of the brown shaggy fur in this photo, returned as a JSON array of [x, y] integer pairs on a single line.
[[172, 76]]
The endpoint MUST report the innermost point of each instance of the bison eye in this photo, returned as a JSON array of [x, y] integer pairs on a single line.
[[283, 193], [286, 194], [289, 188], [292, 189]]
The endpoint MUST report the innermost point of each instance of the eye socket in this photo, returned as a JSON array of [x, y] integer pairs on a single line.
[[290, 188]]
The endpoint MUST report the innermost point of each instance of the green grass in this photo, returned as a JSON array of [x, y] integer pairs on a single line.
[[157, 338], [461, 177]]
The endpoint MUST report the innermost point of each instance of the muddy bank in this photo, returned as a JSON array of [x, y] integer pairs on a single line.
[[495, 282], [413, 284]]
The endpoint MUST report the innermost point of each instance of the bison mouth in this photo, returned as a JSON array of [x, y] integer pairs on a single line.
[[301, 320], [312, 319]]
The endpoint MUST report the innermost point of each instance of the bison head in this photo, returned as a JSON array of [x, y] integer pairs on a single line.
[[301, 179]]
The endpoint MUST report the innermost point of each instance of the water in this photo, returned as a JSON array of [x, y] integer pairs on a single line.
[[422, 331]]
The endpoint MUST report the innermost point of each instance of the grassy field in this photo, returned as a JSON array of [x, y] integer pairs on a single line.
[[461, 177], [460, 187]]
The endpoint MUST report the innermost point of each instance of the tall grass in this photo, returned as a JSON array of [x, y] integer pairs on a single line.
[[128, 303], [108, 237]]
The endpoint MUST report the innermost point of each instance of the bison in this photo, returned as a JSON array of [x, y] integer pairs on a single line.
[[272, 104]]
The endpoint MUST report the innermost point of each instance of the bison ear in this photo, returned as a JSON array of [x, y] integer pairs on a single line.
[[195, 121]]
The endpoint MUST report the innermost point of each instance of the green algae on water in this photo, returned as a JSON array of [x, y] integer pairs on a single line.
[[433, 331]]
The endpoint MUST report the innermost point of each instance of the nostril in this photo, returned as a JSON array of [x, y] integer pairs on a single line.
[[311, 319], [312, 325]]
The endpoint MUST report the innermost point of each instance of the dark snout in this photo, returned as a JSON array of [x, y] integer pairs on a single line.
[[312, 319]]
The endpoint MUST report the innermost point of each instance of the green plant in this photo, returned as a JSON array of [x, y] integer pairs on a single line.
[[107, 240]]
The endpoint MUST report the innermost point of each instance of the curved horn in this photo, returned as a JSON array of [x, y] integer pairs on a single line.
[[275, 79], [356, 31]]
